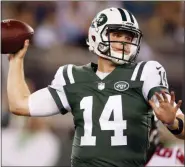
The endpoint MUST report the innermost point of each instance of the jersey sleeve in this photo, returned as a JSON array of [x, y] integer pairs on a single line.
[[58, 92], [155, 79], [41, 104]]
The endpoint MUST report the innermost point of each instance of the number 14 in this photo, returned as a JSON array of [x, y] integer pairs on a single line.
[[114, 104]]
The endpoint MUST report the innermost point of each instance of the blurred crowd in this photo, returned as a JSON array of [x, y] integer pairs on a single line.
[[61, 29]]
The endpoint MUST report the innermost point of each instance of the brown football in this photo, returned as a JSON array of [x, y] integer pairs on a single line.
[[13, 35]]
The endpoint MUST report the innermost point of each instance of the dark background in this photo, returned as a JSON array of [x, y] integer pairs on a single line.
[[60, 32]]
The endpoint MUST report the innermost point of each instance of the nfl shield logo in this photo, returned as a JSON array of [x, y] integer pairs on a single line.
[[101, 86]]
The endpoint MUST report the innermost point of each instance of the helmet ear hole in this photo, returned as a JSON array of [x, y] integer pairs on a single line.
[[93, 38]]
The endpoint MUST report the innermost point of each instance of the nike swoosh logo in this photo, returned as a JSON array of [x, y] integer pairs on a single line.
[[158, 68]]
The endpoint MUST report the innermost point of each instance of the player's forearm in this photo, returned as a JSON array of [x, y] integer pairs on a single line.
[[17, 89], [175, 126]]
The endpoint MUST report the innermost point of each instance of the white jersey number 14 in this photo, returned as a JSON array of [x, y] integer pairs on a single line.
[[114, 104]]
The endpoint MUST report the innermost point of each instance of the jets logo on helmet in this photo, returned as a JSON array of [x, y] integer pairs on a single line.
[[115, 19], [99, 21]]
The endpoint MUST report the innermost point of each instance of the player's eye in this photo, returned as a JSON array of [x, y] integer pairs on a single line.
[[128, 38], [117, 34]]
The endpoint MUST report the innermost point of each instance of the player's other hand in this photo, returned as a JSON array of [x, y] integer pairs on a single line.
[[21, 53], [166, 112]]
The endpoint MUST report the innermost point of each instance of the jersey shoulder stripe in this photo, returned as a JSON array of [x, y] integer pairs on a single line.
[[136, 75], [65, 74], [68, 74], [140, 71]]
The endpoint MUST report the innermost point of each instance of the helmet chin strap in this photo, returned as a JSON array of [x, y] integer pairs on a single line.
[[116, 57]]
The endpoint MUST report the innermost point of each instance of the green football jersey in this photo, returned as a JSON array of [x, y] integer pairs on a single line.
[[112, 116]]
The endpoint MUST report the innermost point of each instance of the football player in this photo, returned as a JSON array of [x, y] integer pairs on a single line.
[[160, 153], [109, 100]]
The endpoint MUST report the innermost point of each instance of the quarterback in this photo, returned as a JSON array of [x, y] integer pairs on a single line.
[[112, 101]]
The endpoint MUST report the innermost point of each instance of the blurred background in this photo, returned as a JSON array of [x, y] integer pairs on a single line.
[[61, 29]]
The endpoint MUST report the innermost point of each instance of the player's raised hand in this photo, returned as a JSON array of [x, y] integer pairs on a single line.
[[21, 53], [166, 112]]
